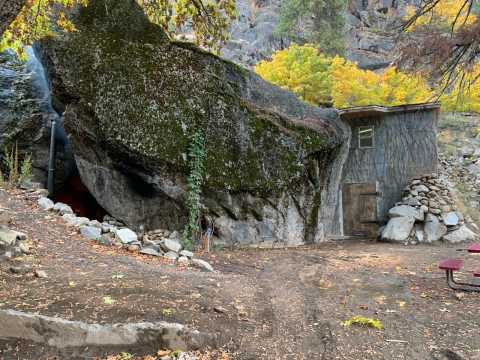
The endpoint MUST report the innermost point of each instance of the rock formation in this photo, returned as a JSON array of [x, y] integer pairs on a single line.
[[371, 27], [134, 99], [427, 213]]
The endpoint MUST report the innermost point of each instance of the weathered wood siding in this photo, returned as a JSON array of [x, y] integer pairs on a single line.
[[405, 147]]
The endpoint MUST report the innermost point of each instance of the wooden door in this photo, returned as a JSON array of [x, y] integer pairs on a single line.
[[360, 210]]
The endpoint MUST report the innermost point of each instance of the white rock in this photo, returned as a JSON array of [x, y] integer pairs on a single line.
[[434, 229], [81, 221], [41, 274], [126, 236], [421, 189], [462, 234], [171, 255], [45, 203], [450, 219], [90, 232], [398, 229], [171, 245], [406, 211], [62, 208], [106, 228], [10, 237], [95, 223], [202, 264], [411, 201], [419, 233], [150, 251], [186, 253], [183, 260]]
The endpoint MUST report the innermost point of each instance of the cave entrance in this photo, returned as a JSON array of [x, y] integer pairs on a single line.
[[74, 193]]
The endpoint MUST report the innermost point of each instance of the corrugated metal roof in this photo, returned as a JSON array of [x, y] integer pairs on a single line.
[[361, 111]]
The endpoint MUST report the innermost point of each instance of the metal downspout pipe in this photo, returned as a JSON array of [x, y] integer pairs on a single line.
[[51, 159]]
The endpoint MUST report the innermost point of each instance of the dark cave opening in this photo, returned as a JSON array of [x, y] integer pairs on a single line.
[[75, 194]]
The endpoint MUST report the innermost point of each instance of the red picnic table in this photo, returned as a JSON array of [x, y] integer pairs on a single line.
[[452, 265]]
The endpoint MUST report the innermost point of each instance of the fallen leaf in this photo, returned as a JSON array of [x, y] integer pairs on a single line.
[[108, 300]]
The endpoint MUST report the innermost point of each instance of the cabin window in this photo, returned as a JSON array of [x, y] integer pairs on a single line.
[[365, 136]]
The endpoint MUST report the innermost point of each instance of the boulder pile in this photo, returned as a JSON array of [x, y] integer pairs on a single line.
[[427, 213], [111, 232], [12, 243]]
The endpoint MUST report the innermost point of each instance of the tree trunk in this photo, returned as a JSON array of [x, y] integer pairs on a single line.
[[9, 10]]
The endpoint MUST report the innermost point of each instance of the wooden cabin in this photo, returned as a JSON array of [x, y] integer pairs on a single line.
[[388, 147]]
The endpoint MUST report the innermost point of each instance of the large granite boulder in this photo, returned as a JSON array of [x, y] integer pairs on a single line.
[[133, 101]]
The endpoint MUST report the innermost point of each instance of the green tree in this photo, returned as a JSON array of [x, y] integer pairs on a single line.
[[324, 20]]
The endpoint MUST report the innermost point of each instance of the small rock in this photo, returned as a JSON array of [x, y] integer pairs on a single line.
[[450, 219], [171, 255], [171, 245], [202, 264], [95, 223], [419, 233], [45, 203], [10, 237], [398, 229], [434, 229], [21, 269], [220, 310], [62, 208], [459, 296], [106, 239], [81, 221], [183, 260], [150, 251], [186, 253], [106, 228], [421, 189], [133, 248], [41, 274], [435, 211], [405, 210], [126, 236], [69, 218], [90, 232], [412, 202], [463, 234], [24, 248]]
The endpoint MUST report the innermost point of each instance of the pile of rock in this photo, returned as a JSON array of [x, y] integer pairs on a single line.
[[111, 232], [427, 213], [12, 243]]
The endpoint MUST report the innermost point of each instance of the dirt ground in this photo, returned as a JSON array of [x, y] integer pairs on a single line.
[[263, 304]]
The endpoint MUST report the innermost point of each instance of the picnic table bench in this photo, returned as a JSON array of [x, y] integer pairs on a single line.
[[452, 265]]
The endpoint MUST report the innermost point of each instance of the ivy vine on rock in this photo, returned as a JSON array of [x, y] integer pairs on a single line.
[[196, 155]]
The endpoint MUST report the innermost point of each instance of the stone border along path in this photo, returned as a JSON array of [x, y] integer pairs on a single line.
[[60, 333], [160, 243]]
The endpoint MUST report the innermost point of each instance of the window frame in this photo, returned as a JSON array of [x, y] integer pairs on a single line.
[[363, 128]]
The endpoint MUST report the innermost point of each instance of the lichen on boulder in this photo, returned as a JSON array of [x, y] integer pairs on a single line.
[[134, 99]]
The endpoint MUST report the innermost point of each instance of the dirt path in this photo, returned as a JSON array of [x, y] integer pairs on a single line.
[[263, 304]]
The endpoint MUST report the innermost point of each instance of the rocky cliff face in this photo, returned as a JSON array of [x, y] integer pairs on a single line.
[[371, 29], [133, 101], [26, 114]]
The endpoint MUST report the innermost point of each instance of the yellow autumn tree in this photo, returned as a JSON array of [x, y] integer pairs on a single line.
[[445, 14], [465, 95], [352, 86], [321, 80], [302, 70]]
